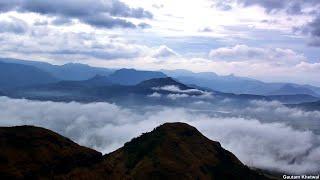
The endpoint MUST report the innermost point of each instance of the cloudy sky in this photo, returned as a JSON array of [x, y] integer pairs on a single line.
[[270, 40]]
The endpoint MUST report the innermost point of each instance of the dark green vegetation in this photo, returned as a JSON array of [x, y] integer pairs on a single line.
[[170, 151]]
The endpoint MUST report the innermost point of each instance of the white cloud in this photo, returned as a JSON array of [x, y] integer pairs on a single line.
[[269, 110], [105, 127], [13, 25], [177, 89], [155, 94], [164, 52], [176, 92], [97, 13], [177, 96], [67, 46], [245, 53]]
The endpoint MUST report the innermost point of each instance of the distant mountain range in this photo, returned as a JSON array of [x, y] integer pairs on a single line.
[[291, 89], [70, 71], [162, 82], [37, 80], [161, 91], [170, 151], [240, 85], [133, 77], [18, 75], [100, 88]]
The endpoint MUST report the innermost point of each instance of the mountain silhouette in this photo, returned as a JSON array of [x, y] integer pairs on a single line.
[[289, 89], [240, 85], [96, 81], [209, 80], [18, 75], [160, 82], [176, 151], [133, 77], [67, 72], [29, 152], [170, 151], [96, 88]]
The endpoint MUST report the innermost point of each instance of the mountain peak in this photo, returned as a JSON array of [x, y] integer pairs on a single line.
[[126, 70], [131, 70], [133, 77], [170, 151], [75, 65], [159, 82], [291, 89], [177, 151], [178, 128]]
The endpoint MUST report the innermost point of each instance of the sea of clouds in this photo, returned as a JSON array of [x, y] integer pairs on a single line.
[[267, 143]]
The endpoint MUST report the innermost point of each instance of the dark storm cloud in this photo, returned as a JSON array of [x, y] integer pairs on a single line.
[[315, 26], [313, 29], [293, 7], [78, 8], [106, 21], [269, 5], [84, 10], [120, 9]]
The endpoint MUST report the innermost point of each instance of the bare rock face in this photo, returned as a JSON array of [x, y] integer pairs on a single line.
[[170, 151]]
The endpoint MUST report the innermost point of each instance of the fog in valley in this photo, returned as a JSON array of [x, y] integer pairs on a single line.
[[266, 135]]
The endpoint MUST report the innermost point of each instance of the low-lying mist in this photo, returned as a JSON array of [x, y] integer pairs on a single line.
[[260, 135]]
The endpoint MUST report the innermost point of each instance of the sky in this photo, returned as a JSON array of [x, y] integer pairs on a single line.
[[270, 40]]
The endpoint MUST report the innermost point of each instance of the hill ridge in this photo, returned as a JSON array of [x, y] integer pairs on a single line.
[[170, 151]]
